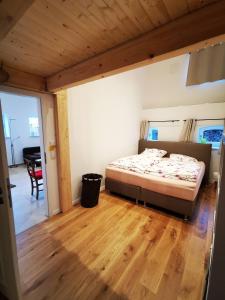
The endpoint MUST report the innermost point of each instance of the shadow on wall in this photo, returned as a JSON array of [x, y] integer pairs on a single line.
[[61, 275]]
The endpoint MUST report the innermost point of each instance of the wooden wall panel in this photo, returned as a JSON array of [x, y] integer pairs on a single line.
[[63, 151]]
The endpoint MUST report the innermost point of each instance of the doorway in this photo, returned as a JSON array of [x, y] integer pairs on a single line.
[[22, 123]]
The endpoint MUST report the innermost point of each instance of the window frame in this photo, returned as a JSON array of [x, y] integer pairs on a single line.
[[32, 128], [215, 145], [150, 134], [6, 125]]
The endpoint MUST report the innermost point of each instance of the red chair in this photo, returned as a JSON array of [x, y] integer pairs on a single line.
[[35, 177]]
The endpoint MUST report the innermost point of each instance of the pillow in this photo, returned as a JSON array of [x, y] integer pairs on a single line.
[[154, 152], [182, 158]]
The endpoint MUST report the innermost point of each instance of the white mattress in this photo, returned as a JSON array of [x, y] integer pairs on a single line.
[[174, 187]]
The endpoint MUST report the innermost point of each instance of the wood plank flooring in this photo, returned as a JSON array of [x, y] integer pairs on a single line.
[[117, 250]]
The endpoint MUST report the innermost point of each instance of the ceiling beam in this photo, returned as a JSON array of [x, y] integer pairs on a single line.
[[10, 13], [173, 38], [19, 79]]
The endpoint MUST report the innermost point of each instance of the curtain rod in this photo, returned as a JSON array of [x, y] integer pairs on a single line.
[[164, 121], [209, 119]]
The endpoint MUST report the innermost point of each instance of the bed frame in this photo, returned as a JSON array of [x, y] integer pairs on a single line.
[[201, 152]]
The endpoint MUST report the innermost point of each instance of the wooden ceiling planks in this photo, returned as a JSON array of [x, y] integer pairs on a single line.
[[54, 34], [156, 11], [134, 14], [162, 42], [176, 8], [10, 12], [196, 4]]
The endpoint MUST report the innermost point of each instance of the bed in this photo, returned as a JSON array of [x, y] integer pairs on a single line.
[[177, 195]]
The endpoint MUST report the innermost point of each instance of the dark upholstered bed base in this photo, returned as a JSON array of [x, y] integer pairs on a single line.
[[201, 152], [177, 205], [174, 204], [125, 189]]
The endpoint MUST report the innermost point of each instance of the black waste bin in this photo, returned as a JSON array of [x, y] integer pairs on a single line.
[[90, 189]]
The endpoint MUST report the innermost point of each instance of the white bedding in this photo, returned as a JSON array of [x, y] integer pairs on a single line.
[[161, 167]]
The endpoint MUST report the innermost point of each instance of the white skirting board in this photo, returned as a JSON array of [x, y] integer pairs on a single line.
[[56, 212], [102, 188], [74, 202]]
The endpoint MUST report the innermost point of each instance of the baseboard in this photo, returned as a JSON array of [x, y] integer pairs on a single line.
[[16, 165], [102, 188], [56, 211], [77, 200]]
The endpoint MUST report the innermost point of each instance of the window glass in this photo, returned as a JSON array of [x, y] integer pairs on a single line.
[[33, 127], [211, 135], [153, 134]]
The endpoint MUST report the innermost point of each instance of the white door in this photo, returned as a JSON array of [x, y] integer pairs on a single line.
[[9, 275]]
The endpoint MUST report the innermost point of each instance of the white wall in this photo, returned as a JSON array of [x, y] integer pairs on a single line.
[[163, 84], [20, 108], [104, 119], [171, 131], [165, 96], [104, 115]]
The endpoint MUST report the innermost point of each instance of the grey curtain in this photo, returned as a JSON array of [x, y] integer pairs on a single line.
[[207, 65], [188, 130], [144, 128]]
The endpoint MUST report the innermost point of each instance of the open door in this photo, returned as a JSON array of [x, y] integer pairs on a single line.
[[9, 275]]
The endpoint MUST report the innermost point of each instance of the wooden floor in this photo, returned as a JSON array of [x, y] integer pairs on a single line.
[[117, 250]]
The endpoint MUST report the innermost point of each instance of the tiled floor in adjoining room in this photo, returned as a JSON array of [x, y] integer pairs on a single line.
[[27, 210]]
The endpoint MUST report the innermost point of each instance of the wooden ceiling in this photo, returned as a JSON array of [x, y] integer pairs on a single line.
[[55, 34]]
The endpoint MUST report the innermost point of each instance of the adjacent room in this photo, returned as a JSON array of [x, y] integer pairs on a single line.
[[112, 149], [23, 138]]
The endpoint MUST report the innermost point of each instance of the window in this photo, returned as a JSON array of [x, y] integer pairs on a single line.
[[34, 127], [153, 134], [211, 135], [6, 126]]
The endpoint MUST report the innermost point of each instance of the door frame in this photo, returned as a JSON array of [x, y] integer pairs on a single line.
[[47, 111], [9, 271], [42, 146]]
